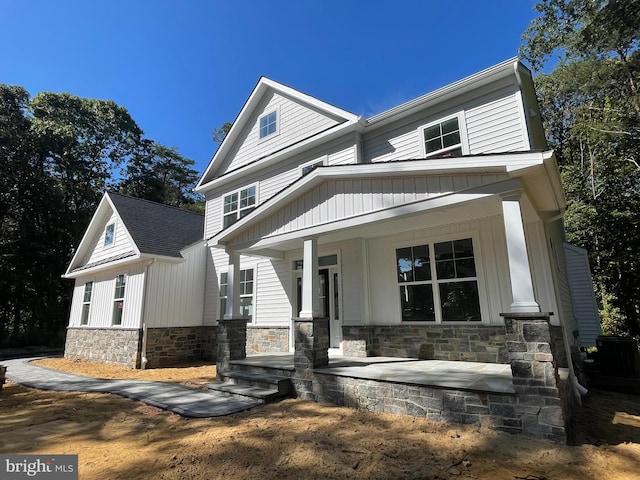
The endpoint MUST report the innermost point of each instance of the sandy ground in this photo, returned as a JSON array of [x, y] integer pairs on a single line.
[[117, 438]]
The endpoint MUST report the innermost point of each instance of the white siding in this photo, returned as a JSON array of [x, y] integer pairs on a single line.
[[295, 122], [121, 242], [102, 299], [273, 178], [337, 199], [175, 291], [494, 123], [272, 305], [491, 263], [496, 126], [583, 297]]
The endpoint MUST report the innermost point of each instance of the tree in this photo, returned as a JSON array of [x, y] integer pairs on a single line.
[[160, 174], [218, 134], [591, 108]]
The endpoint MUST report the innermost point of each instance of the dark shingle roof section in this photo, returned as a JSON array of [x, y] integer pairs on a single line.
[[158, 229]]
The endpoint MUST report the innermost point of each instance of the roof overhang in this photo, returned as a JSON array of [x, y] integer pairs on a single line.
[[533, 171]]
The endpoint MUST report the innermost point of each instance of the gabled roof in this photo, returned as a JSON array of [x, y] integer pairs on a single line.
[[156, 230], [262, 88]]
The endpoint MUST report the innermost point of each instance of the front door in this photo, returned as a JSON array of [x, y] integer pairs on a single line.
[[329, 296]]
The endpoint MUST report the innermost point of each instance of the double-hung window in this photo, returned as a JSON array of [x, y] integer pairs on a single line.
[[268, 124], [238, 204], [443, 139], [246, 293], [86, 303], [438, 282], [118, 299]]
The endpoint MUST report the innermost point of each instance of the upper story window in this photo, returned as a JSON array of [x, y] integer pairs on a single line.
[[443, 139], [268, 124], [109, 234], [238, 204], [311, 166]]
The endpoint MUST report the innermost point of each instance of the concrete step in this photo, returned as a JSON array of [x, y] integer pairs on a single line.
[[261, 386], [267, 395]]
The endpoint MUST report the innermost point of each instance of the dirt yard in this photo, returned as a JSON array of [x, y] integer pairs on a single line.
[[121, 439]]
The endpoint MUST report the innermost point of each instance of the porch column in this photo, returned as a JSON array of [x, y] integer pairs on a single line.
[[311, 332], [232, 329], [519, 268], [233, 288], [310, 282]]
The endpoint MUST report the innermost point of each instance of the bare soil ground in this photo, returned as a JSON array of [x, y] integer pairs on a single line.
[[117, 438]]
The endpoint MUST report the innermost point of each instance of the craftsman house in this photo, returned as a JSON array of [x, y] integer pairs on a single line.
[[139, 283], [431, 231]]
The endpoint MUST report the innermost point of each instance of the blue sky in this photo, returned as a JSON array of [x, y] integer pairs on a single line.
[[182, 68]]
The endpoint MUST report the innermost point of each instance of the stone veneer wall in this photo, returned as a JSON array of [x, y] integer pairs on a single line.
[[174, 345], [109, 345], [267, 339], [471, 343]]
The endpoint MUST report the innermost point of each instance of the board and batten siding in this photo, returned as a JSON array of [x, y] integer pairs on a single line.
[[121, 242], [274, 178], [175, 291], [494, 123], [585, 306], [102, 297], [491, 263], [295, 122], [343, 198]]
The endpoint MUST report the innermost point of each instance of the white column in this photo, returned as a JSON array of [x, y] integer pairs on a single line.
[[233, 288], [310, 282], [519, 269]]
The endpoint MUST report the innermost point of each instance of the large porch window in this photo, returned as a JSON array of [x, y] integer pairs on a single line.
[[438, 282]]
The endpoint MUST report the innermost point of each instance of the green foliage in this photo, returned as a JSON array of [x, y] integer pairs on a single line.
[[591, 109], [218, 134], [58, 154]]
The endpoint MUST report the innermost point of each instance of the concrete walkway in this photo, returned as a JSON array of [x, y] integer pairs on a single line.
[[176, 398]]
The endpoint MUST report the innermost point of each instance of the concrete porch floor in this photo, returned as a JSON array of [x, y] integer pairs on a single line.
[[459, 375]]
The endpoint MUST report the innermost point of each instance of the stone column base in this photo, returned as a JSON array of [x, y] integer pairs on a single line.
[[232, 343], [311, 351]]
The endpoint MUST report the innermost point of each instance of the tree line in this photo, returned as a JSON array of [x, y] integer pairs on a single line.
[[591, 110], [58, 154]]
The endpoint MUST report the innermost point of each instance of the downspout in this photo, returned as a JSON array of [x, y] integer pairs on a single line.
[[143, 323]]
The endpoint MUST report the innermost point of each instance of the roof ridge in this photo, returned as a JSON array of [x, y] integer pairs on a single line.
[[154, 203]]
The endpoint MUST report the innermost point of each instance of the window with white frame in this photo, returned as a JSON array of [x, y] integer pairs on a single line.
[[246, 293], [109, 233], [238, 204], [311, 166], [268, 124], [438, 282], [86, 303], [118, 299], [443, 139]]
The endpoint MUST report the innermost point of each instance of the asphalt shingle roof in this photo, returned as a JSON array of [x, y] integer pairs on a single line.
[[158, 229]]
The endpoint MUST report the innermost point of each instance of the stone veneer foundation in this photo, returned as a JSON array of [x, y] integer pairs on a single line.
[[471, 343], [108, 345], [171, 346], [267, 339], [165, 346]]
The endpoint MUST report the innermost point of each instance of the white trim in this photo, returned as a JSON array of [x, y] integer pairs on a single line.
[[113, 235], [254, 268], [119, 299], [273, 134], [462, 131], [239, 209], [474, 235], [323, 161]]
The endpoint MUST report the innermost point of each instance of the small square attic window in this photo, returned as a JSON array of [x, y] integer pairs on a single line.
[[109, 234], [268, 124]]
